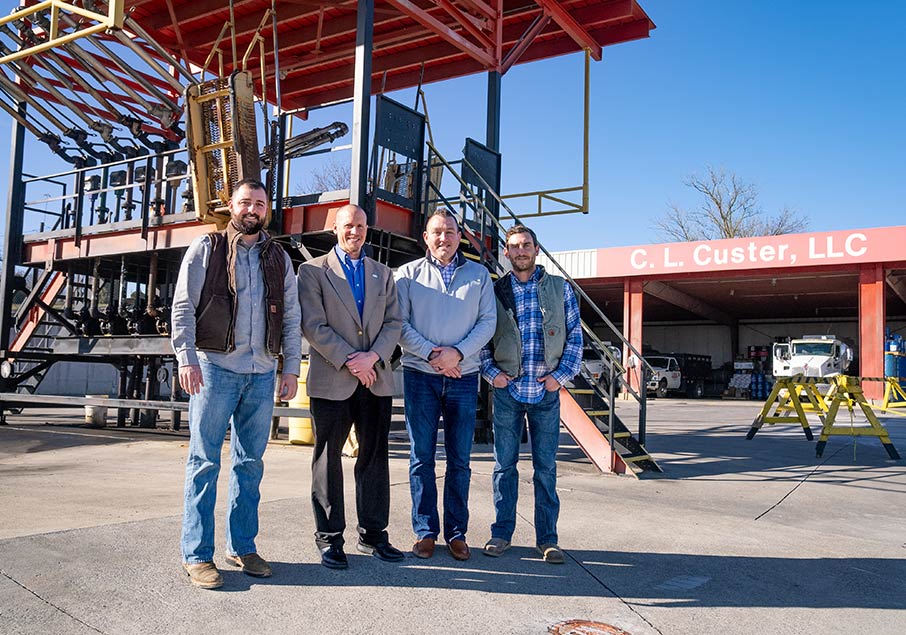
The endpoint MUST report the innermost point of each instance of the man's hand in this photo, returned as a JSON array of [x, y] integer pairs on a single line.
[[367, 378], [361, 365], [550, 384], [502, 380], [287, 386], [444, 358], [190, 378]]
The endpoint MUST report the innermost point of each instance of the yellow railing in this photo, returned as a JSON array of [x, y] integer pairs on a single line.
[[62, 29]]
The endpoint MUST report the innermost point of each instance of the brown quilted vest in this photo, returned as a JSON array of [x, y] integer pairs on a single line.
[[216, 312]]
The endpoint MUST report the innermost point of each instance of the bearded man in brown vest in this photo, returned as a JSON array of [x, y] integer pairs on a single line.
[[234, 308]]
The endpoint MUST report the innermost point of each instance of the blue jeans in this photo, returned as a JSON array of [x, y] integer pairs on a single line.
[[544, 435], [427, 397], [246, 401]]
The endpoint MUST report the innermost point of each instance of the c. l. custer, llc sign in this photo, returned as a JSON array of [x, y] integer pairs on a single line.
[[884, 244]]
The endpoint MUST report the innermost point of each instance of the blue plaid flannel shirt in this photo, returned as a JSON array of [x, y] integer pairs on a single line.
[[526, 388]]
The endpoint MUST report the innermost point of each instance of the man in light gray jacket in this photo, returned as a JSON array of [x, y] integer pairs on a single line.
[[449, 313]]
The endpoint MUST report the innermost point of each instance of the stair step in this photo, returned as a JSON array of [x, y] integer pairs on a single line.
[[633, 458], [597, 413], [582, 391]]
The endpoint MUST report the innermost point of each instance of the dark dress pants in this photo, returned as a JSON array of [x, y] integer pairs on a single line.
[[331, 421]]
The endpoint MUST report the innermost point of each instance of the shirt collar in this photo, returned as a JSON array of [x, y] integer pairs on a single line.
[[343, 256], [434, 261], [536, 276]]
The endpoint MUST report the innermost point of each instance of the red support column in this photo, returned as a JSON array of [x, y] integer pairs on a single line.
[[872, 317], [632, 325]]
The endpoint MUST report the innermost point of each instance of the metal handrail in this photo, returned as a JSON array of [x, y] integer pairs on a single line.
[[469, 198], [562, 271]]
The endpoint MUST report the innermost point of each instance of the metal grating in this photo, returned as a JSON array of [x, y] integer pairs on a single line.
[[223, 142]]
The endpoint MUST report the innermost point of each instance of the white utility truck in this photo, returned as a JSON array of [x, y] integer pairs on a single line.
[[811, 356]]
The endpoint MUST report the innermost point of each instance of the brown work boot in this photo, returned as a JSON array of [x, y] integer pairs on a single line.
[[251, 564], [459, 549], [204, 575], [424, 548]]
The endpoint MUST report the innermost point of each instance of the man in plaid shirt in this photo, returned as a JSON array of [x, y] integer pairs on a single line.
[[536, 349]]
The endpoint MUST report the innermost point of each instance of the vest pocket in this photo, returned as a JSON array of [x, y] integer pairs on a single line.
[[213, 324], [218, 305]]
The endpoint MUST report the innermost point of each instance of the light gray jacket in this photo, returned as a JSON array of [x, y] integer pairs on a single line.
[[463, 316]]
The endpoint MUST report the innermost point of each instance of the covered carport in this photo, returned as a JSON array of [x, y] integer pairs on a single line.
[[719, 297]]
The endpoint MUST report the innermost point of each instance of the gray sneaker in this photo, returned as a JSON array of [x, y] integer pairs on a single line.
[[551, 553], [204, 575], [251, 564]]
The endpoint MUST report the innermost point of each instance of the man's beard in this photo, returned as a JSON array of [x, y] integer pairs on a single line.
[[249, 226], [524, 265]]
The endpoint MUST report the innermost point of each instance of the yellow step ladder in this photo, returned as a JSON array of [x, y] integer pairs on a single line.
[[850, 392]]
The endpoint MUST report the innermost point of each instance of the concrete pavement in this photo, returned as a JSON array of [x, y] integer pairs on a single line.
[[737, 537]]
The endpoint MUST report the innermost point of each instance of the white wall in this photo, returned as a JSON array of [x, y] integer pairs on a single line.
[[79, 379], [703, 339], [580, 263]]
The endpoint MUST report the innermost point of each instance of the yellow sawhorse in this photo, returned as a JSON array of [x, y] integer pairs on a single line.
[[894, 395], [849, 392], [787, 396]]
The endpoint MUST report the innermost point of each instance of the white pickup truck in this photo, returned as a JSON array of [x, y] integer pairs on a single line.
[[679, 372], [811, 356], [598, 366]]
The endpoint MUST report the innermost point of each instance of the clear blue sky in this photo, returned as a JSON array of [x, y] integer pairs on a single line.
[[805, 99]]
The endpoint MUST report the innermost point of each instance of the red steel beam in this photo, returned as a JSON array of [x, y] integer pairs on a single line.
[[588, 437], [481, 7], [526, 41], [36, 313], [433, 24], [566, 21], [633, 299], [309, 90], [872, 317], [170, 236], [468, 22]]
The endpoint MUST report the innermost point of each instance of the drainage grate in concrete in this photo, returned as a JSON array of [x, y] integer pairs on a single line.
[[585, 627]]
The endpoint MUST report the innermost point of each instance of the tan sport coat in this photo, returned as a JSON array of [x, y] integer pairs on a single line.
[[333, 328]]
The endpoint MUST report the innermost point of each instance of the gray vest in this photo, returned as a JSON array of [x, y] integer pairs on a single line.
[[507, 342]]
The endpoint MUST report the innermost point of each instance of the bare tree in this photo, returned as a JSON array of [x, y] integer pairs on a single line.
[[331, 176], [730, 209]]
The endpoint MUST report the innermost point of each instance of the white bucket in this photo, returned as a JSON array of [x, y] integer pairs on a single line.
[[96, 416]]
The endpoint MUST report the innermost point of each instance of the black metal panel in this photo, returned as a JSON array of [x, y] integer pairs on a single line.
[[399, 129], [12, 238], [361, 106], [486, 163]]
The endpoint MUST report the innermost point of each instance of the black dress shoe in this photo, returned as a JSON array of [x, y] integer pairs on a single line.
[[333, 557], [382, 551]]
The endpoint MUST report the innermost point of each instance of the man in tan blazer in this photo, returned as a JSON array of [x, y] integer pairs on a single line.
[[351, 320]]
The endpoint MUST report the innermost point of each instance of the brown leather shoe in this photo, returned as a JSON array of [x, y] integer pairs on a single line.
[[459, 549], [251, 564], [424, 548]]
